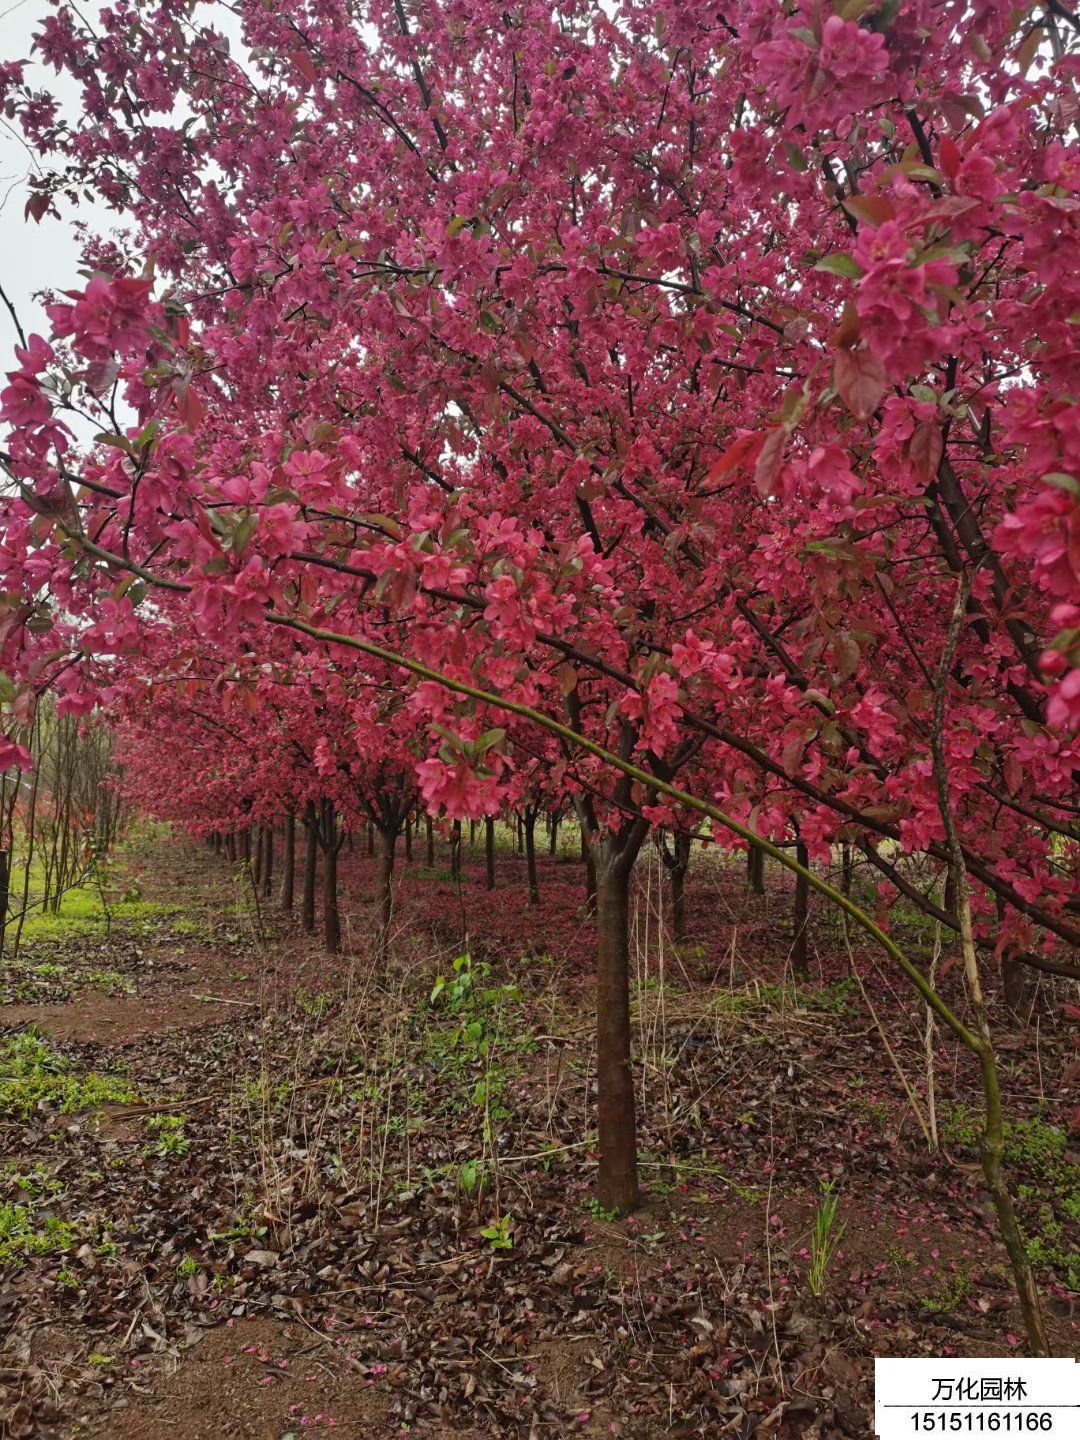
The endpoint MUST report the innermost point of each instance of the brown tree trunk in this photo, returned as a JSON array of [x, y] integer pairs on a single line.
[[800, 953], [455, 852], [408, 837], [528, 825], [268, 860], [553, 835], [755, 870], [590, 874], [257, 856], [489, 850], [385, 847], [617, 1180], [5, 882], [311, 860], [369, 839], [331, 846], [288, 862], [429, 836], [678, 885]]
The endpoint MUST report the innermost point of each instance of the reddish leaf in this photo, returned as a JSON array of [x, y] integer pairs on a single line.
[[948, 157], [741, 451], [925, 449], [770, 459], [302, 60], [36, 206], [874, 209], [859, 380]]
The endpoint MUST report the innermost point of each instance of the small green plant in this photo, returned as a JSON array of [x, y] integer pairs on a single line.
[[187, 1268], [169, 1132], [497, 1234], [32, 1074], [96, 1358], [113, 982], [950, 1295], [471, 1177], [835, 999], [595, 1208], [316, 1005], [23, 1235], [825, 1237]]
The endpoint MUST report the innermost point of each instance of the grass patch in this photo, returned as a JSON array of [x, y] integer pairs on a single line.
[[835, 999], [1050, 1206], [23, 1235], [32, 1074]]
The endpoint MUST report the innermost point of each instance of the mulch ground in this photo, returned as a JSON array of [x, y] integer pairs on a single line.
[[307, 1254]]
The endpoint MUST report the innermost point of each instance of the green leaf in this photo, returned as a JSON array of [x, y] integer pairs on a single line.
[[1063, 481], [243, 533], [117, 441], [840, 264], [489, 739]]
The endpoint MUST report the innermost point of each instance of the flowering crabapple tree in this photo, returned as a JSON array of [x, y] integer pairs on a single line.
[[668, 369]]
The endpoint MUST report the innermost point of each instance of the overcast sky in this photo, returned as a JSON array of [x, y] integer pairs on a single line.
[[31, 256]]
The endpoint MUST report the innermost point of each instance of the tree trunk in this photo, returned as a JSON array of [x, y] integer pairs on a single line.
[[455, 852], [489, 850], [369, 840], [755, 870], [268, 860], [429, 834], [472, 835], [528, 824], [678, 885], [5, 881], [331, 846], [311, 860], [288, 862], [950, 891], [800, 956], [385, 847], [553, 835], [257, 856], [617, 1181], [408, 837], [590, 874]]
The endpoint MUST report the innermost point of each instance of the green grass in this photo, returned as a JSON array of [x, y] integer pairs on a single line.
[[33, 1075], [81, 910], [1049, 1208], [23, 1235], [833, 999]]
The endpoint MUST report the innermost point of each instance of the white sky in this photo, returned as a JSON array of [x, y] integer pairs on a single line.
[[31, 256]]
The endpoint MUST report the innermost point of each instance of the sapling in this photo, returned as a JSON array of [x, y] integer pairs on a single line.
[[825, 1237]]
